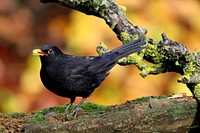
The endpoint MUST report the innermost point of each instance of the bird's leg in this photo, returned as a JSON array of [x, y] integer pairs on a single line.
[[70, 104], [76, 109]]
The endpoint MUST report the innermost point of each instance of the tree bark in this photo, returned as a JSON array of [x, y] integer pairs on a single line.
[[153, 115], [148, 114]]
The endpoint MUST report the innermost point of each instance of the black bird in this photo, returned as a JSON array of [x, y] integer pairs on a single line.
[[77, 76]]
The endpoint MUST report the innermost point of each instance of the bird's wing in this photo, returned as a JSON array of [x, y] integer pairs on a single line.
[[79, 72], [78, 67], [100, 65], [92, 67]]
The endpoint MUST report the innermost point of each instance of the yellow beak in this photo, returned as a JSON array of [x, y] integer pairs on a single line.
[[38, 52]]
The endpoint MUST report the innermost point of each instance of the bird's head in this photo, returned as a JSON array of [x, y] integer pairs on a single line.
[[47, 52]]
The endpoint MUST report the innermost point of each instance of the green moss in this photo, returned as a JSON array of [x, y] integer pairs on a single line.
[[134, 58], [87, 6], [166, 48], [125, 37], [99, 7], [190, 67], [197, 91], [17, 115], [42, 115], [93, 109], [56, 109], [174, 113], [146, 99], [150, 69], [184, 78], [38, 117], [136, 37], [189, 58], [155, 55], [113, 25], [92, 106], [177, 63], [102, 49], [70, 118]]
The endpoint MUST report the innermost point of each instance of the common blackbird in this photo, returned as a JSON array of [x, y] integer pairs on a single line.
[[77, 76]]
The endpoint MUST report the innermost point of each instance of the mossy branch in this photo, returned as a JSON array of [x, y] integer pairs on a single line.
[[164, 55]]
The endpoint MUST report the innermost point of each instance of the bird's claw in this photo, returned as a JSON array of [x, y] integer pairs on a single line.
[[74, 112]]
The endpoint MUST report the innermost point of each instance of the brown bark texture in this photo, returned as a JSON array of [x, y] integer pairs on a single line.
[[148, 114]]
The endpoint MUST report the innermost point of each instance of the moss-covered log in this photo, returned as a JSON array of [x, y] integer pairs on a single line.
[[148, 114]]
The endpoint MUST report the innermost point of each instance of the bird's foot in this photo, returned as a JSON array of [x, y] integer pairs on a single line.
[[74, 112]]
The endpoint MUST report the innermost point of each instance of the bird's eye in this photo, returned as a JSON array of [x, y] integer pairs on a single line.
[[50, 51]]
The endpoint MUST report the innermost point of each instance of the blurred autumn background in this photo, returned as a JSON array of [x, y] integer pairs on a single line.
[[28, 24]]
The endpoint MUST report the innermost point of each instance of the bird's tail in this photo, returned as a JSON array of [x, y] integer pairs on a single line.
[[127, 49], [109, 59]]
